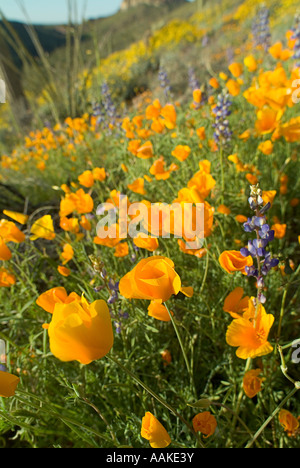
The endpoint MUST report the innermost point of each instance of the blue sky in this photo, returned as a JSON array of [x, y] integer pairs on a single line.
[[56, 11]]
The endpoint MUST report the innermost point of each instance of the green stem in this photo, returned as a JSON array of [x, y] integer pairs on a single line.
[[152, 393], [281, 313], [239, 401], [65, 419], [265, 424], [181, 346]]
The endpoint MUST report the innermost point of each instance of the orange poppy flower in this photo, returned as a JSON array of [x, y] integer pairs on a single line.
[[205, 423], [223, 209], [250, 335], [63, 271], [99, 174], [145, 151], [251, 63], [133, 146], [158, 169], [233, 87], [201, 133], [9, 232], [279, 53], [7, 279], [291, 130], [148, 243], [80, 331], [5, 253], [43, 229], [153, 431], [19, 217], [236, 69], [267, 120], [289, 422], [204, 183], [86, 179], [214, 83], [181, 152], [152, 278], [279, 230], [8, 384], [268, 196], [108, 237], [48, 299], [235, 304], [169, 116], [252, 383], [137, 186], [266, 147], [121, 250], [67, 254], [232, 261], [158, 311]]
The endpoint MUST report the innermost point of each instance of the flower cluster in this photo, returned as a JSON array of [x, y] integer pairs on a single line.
[[257, 248], [193, 80], [222, 133], [106, 111], [164, 82], [261, 29], [296, 37]]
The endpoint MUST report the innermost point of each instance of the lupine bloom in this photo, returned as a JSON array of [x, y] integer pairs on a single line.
[[164, 82], [106, 111], [193, 81], [205, 423], [261, 29], [296, 38], [264, 234], [221, 111], [153, 431]]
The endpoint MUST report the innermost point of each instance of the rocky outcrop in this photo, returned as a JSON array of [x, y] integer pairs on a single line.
[[133, 3]]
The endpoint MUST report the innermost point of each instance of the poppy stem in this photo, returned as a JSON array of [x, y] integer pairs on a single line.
[[152, 393], [272, 415], [181, 346]]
